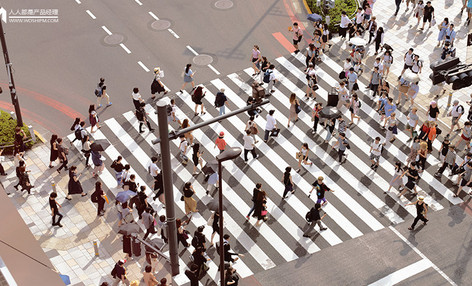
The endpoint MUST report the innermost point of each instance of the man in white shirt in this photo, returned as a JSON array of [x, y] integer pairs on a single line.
[[249, 145], [375, 152], [380, 65], [359, 17], [456, 113], [137, 99], [153, 169], [270, 125], [408, 61], [345, 21], [271, 82]]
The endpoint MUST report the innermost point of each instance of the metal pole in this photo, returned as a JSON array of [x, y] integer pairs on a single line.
[[220, 209], [11, 82], [166, 170]]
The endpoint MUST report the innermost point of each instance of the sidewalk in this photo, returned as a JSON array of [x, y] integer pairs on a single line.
[[70, 248]]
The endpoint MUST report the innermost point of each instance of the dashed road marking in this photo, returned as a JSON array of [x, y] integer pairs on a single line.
[[125, 48], [213, 69], [173, 33], [143, 66], [106, 30], [91, 15], [78, 1], [192, 50], [153, 15], [139, 2]]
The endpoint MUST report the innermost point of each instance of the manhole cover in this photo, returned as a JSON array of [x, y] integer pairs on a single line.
[[160, 25], [224, 4], [202, 60], [114, 39]]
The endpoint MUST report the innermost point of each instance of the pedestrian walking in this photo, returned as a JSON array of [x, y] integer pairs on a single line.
[[342, 143], [200, 260], [182, 235], [428, 15], [419, 11], [450, 35], [54, 151], [197, 158], [271, 125], [221, 101], [354, 107], [220, 142], [397, 180], [344, 24], [465, 179], [162, 224], [371, 27], [408, 59], [23, 178], [316, 216], [148, 277], [255, 194], [315, 116], [374, 83], [442, 31], [456, 113], [412, 179], [122, 211], [448, 161], [140, 201], [215, 220], [413, 2], [387, 62], [392, 128], [86, 149], [344, 95], [375, 152], [389, 108], [432, 135], [188, 135], [78, 128], [379, 39], [172, 113], [190, 203], [62, 155], [417, 64], [98, 163], [256, 60], [260, 210], [141, 115], [137, 98], [100, 92], [99, 197], [228, 255], [188, 75], [330, 129], [321, 189], [288, 182], [74, 185], [351, 79], [310, 57], [148, 222], [422, 155], [197, 95], [55, 206], [297, 36], [412, 122], [19, 144], [421, 212], [231, 277], [159, 187], [252, 126], [269, 78], [118, 167], [466, 135], [294, 108], [311, 81], [302, 156], [119, 273], [249, 146], [157, 86], [415, 147]]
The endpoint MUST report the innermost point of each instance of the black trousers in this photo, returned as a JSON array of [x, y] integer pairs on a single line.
[[253, 152], [59, 215], [377, 46], [371, 35], [397, 2], [101, 206], [63, 164], [2, 171], [141, 123], [340, 154], [342, 32], [417, 218], [375, 89], [87, 157], [315, 124], [444, 166], [150, 230]]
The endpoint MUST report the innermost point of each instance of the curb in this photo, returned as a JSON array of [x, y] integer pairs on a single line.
[[39, 136], [308, 10]]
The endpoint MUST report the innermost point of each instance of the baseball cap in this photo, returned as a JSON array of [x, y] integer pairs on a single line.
[[421, 198], [222, 134]]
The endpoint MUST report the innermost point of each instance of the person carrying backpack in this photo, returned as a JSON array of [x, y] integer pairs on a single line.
[[269, 78], [456, 114], [119, 273], [141, 115], [221, 100], [101, 91], [314, 216], [80, 132]]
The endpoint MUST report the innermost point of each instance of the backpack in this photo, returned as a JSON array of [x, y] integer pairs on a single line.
[[169, 110], [94, 197], [194, 96], [360, 104], [308, 216], [195, 241], [219, 100], [78, 133], [461, 108], [113, 272], [266, 78], [98, 91]]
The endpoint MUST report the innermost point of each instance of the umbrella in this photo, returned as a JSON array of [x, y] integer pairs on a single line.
[[210, 167], [330, 112], [411, 76], [156, 243], [124, 196], [214, 204], [129, 228], [358, 41], [65, 279], [314, 17]]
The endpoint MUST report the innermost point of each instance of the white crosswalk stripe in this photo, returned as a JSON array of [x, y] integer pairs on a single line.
[[356, 207]]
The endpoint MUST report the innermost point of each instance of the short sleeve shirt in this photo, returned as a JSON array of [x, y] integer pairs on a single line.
[[136, 96], [428, 10], [248, 142], [413, 119], [154, 169], [320, 189], [53, 205], [352, 77], [375, 148], [221, 143]]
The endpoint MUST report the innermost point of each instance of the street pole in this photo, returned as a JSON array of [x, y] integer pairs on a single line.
[[220, 210], [11, 82], [166, 170]]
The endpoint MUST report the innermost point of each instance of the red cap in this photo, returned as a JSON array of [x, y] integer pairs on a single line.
[[222, 134]]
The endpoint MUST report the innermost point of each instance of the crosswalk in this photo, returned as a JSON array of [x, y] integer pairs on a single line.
[[357, 206]]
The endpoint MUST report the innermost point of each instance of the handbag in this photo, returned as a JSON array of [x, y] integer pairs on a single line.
[[355, 86], [342, 75], [395, 130], [297, 108], [264, 213], [182, 198], [315, 87], [298, 155], [254, 130], [275, 132], [403, 88], [433, 22]]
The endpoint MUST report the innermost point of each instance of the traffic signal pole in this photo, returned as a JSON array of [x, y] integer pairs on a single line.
[[11, 82]]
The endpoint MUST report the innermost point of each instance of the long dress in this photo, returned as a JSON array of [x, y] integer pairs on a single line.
[[156, 87], [54, 153], [398, 181], [75, 187]]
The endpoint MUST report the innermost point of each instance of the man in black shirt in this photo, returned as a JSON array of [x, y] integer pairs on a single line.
[[316, 217], [412, 176], [321, 188], [428, 14], [55, 209], [421, 211], [255, 193], [119, 273]]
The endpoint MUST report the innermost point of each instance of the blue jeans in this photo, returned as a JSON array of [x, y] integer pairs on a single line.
[[266, 135], [222, 109], [252, 209]]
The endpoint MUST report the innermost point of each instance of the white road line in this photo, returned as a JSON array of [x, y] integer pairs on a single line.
[[106, 30], [173, 33], [78, 1], [125, 48], [91, 15], [137, 1], [213, 69], [143, 66], [153, 15], [192, 50], [422, 255], [404, 273]]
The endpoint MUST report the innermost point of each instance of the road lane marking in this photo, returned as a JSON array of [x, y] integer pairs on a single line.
[[153, 15], [213, 69], [284, 42], [137, 1], [192, 50], [91, 15], [143, 66], [173, 33], [422, 255], [125, 48], [78, 1], [404, 273], [106, 30]]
